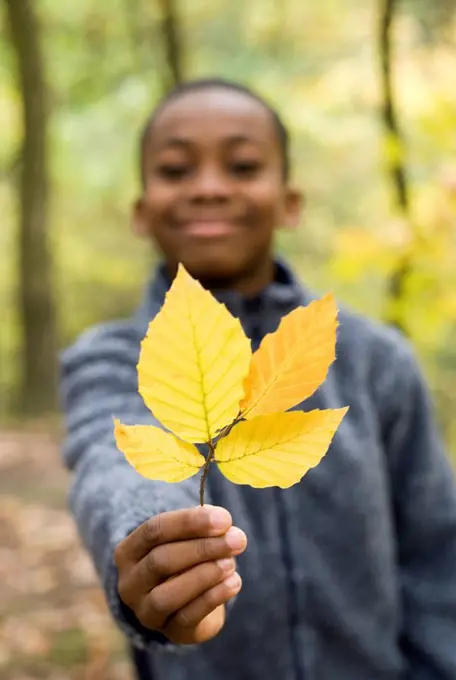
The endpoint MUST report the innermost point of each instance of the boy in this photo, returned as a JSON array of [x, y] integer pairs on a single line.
[[349, 575]]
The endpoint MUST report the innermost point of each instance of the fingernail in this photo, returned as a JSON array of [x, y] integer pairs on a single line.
[[227, 564], [235, 538], [233, 582], [219, 518]]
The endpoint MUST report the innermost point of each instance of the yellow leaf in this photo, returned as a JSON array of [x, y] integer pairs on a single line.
[[278, 449], [292, 362], [193, 362], [157, 454]]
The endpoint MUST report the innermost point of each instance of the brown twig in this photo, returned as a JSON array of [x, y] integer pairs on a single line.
[[209, 459], [211, 455]]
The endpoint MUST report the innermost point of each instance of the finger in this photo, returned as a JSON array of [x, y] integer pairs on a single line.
[[172, 526], [192, 614], [204, 631], [177, 592], [174, 558]]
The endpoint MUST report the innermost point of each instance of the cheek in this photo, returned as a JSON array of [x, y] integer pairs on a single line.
[[267, 200], [158, 199]]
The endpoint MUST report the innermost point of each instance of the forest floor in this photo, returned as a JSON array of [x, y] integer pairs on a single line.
[[54, 624]]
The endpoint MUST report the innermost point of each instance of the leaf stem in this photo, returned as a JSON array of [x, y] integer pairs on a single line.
[[209, 459], [211, 455], [227, 429]]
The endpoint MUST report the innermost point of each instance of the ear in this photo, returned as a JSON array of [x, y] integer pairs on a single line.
[[139, 223], [294, 203]]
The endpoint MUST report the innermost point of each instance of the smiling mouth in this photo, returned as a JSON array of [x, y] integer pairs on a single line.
[[208, 228]]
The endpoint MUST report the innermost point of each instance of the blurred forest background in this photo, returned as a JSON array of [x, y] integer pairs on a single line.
[[368, 90]]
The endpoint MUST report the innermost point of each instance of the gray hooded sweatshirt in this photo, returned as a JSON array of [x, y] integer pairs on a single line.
[[348, 575]]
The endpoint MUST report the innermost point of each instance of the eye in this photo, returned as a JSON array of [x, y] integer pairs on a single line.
[[173, 171], [245, 168]]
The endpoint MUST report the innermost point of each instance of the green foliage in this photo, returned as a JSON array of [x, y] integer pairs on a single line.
[[435, 20]]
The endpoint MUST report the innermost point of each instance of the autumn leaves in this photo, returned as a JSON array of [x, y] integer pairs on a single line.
[[197, 374]]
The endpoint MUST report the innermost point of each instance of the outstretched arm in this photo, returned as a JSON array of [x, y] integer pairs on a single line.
[[121, 516]]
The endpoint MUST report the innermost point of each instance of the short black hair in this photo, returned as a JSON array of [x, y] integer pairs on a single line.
[[209, 84]]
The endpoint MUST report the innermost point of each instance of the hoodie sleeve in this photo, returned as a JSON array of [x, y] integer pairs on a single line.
[[108, 498], [424, 501]]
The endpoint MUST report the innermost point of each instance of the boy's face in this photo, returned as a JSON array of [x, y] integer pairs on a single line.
[[214, 188]]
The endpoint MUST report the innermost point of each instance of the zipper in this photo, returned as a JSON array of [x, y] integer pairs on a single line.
[[291, 587], [253, 309]]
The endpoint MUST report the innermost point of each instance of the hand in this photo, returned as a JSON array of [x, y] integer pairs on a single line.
[[176, 572]]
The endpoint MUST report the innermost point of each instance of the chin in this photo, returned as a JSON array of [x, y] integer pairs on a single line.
[[214, 270]]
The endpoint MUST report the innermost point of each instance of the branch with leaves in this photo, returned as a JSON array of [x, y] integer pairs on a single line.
[[197, 375]]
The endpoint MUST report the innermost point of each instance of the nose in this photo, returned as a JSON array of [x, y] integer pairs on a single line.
[[210, 185]]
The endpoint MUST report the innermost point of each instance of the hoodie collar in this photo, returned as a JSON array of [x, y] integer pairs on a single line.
[[259, 314]]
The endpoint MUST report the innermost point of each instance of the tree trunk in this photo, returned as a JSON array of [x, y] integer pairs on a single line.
[[396, 171], [35, 299], [172, 43]]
